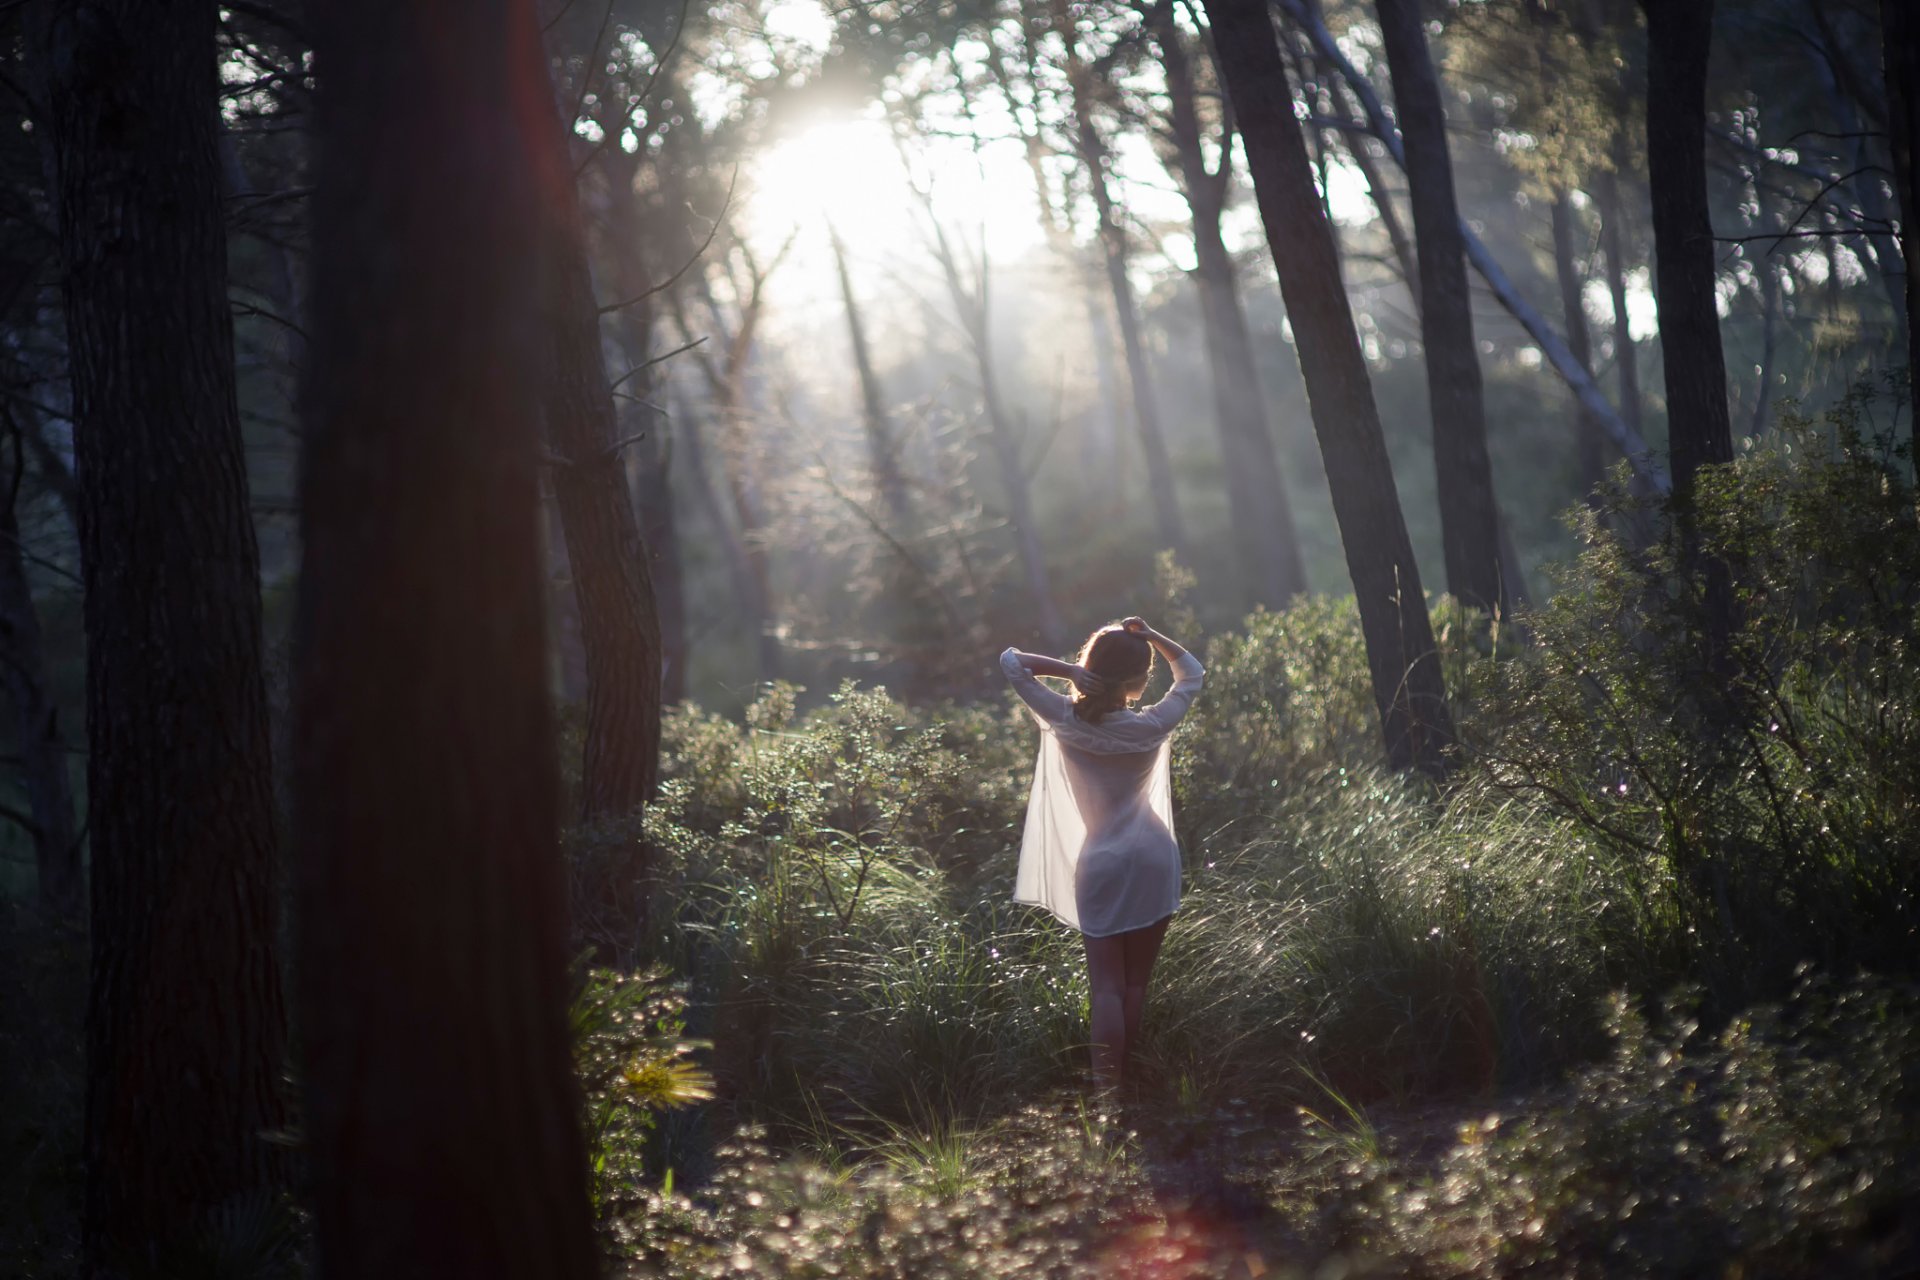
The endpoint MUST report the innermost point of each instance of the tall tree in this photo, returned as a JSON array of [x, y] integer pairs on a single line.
[[1263, 528], [1405, 668], [441, 1109], [185, 1021], [1699, 427], [1092, 152], [619, 625], [883, 457], [1679, 34], [1469, 514]]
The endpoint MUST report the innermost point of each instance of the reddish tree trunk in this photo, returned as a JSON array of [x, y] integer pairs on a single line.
[[442, 1116]]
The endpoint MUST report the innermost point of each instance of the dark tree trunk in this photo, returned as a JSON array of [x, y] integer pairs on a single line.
[[1263, 529], [1590, 441], [611, 577], [442, 1116], [186, 1027], [1613, 239], [1113, 247], [1469, 514], [1401, 658], [1679, 33], [1900, 37], [36, 729], [1699, 428]]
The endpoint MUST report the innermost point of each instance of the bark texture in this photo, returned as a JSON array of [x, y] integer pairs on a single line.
[[612, 581], [185, 1019], [1262, 515], [1469, 514], [1401, 659], [441, 1108]]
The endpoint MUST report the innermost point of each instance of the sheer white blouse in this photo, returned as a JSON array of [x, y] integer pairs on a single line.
[[1099, 851]]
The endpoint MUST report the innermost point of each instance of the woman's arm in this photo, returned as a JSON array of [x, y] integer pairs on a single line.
[[1169, 649], [1041, 665]]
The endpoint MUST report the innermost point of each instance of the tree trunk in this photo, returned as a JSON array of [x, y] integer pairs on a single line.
[[186, 1027], [1613, 240], [442, 1119], [1113, 247], [883, 459], [1401, 658], [1699, 428], [611, 578], [1699, 432], [1469, 512], [1551, 345], [649, 458], [43, 756], [1263, 529], [1900, 35], [1591, 443]]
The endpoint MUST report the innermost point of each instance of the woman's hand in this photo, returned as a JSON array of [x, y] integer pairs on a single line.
[[1136, 625], [1089, 683]]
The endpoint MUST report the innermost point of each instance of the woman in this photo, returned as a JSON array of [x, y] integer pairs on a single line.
[[1099, 850]]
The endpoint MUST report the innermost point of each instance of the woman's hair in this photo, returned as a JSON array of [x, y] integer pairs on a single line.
[[1123, 658]]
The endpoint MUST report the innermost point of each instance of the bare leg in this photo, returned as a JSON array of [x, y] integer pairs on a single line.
[[1141, 947], [1106, 989]]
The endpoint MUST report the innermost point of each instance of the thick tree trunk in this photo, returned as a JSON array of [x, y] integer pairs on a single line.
[[1900, 38], [1591, 443], [1113, 247], [612, 582], [1262, 515], [1469, 512], [185, 1022], [1699, 428], [442, 1116], [1613, 240], [43, 756], [1401, 658]]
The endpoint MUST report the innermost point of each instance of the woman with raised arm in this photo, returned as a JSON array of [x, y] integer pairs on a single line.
[[1099, 851]]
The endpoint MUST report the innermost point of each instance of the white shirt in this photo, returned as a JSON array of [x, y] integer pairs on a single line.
[[1099, 850]]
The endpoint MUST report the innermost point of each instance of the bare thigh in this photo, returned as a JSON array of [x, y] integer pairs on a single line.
[[1140, 947], [1107, 963]]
